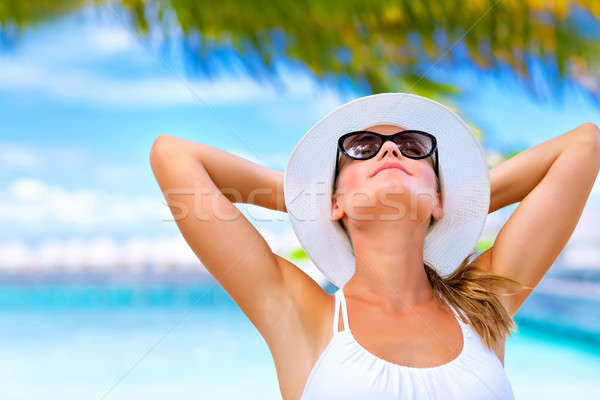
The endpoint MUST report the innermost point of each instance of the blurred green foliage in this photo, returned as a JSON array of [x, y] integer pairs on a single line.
[[389, 45], [369, 46], [297, 255], [512, 153], [24, 13], [383, 45], [484, 243]]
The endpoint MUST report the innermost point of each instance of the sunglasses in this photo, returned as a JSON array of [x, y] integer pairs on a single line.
[[362, 145]]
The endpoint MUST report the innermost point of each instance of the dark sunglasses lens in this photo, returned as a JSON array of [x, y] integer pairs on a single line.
[[414, 144], [361, 145]]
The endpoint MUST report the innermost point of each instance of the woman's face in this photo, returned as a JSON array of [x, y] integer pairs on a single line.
[[390, 193]]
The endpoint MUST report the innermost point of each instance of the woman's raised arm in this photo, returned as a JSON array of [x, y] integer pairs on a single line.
[[200, 184], [552, 182]]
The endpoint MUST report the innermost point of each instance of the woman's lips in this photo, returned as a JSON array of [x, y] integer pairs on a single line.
[[390, 165]]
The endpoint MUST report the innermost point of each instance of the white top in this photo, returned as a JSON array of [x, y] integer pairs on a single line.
[[346, 370]]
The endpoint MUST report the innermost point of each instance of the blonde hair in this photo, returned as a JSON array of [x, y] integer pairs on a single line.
[[472, 289], [476, 292]]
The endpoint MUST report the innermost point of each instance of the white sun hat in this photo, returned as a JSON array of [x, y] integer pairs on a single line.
[[463, 175]]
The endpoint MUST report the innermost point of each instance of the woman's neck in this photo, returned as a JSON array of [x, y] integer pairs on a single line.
[[389, 266]]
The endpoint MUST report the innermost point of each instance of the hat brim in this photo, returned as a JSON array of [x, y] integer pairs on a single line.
[[463, 174]]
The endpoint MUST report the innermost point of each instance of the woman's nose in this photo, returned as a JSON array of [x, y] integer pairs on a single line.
[[389, 147]]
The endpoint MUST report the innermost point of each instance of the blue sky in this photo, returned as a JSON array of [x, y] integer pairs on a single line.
[[82, 99]]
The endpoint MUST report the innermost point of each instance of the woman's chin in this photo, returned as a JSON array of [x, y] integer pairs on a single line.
[[393, 187]]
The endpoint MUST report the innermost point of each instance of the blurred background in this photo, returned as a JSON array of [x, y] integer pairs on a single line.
[[100, 297]]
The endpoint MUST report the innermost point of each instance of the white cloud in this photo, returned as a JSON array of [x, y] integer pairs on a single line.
[[111, 173], [17, 157], [27, 189], [34, 203], [78, 42], [325, 103], [69, 71], [76, 85], [69, 80], [67, 162], [581, 256], [109, 40]]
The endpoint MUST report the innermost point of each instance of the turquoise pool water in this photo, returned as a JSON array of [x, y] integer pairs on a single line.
[[193, 342]]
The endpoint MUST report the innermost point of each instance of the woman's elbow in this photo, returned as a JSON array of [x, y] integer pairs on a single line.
[[590, 134], [588, 141], [162, 148]]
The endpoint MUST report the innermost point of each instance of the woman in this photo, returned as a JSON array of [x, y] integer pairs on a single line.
[[391, 217]]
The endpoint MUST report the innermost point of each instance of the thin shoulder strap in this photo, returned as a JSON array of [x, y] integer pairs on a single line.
[[340, 300], [336, 313], [344, 310]]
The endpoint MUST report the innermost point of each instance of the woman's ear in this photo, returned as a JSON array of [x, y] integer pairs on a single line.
[[337, 212]]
